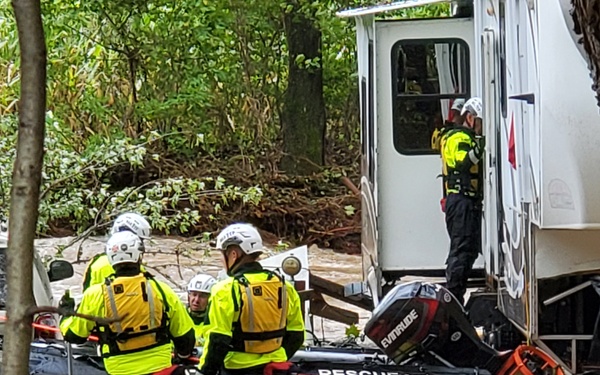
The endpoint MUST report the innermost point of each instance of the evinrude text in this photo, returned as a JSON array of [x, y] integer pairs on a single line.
[[400, 328]]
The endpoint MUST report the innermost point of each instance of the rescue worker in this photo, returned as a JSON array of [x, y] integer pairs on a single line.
[[99, 267], [461, 171], [455, 118], [254, 315], [198, 292], [152, 315]]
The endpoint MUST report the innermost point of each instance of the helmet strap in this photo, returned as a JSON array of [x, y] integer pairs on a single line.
[[231, 270], [470, 120]]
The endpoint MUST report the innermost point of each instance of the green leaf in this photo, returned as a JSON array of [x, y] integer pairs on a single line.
[[352, 331]]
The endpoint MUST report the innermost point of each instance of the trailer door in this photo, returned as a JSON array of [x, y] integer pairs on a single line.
[[422, 66]]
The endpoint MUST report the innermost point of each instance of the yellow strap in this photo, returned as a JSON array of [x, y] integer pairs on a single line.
[[284, 305], [250, 308]]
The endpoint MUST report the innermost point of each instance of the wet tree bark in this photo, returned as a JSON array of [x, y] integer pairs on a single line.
[[303, 116], [26, 178], [586, 16]]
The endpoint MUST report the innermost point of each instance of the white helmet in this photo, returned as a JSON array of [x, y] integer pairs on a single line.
[[201, 283], [458, 104], [243, 235], [124, 247], [474, 106], [132, 222]]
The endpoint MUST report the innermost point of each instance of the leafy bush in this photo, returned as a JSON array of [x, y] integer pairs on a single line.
[[77, 189]]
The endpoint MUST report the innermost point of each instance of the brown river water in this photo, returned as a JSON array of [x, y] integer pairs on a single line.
[[175, 261]]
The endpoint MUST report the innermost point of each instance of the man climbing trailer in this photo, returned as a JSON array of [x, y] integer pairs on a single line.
[[461, 167]]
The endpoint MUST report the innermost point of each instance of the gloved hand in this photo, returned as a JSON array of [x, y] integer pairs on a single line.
[[67, 302], [443, 204]]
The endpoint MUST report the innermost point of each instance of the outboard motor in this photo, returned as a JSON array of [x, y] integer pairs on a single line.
[[423, 319]]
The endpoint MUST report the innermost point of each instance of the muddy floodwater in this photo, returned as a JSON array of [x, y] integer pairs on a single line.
[[175, 261]]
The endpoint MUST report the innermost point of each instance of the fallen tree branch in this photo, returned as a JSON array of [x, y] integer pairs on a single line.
[[335, 230], [346, 181], [167, 277], [64, 312]]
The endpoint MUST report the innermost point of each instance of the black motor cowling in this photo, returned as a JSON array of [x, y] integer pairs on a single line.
[[420, 319]]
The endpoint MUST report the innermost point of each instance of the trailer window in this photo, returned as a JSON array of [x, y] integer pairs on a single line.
[[428, 75]]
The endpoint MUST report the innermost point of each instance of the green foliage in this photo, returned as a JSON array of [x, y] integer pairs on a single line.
[[9, 66], [192, 67], [77, 188], [429, 11], [169, 204], [352, 331], [281, 246]]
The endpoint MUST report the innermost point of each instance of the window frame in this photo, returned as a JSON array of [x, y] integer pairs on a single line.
[[371, 110], [399, 97], [502, 57]]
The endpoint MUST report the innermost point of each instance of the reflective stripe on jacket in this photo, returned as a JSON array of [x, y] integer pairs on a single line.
[[460, 162]]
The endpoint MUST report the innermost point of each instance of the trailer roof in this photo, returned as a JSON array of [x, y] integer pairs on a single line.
[[381, 8]]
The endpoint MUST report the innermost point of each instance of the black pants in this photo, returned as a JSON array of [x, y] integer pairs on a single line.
[[463, 221], [257, 370]]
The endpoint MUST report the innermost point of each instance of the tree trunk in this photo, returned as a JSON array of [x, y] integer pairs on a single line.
[[586, 17], [303, 116], [26, 178]]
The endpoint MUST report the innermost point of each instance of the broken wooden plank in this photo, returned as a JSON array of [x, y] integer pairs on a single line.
[[329, 288]]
